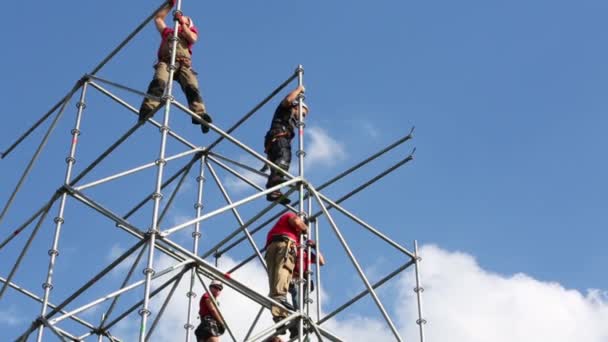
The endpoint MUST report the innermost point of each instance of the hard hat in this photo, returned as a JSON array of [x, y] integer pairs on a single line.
[[217, 284], [304, 105]]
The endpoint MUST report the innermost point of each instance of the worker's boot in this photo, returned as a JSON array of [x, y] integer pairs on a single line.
[[277, 196]]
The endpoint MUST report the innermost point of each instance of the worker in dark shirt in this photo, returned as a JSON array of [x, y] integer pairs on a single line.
[[277, 142]]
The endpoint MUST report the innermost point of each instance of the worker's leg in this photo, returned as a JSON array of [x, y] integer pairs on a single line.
[[155, 88], [280, 154], [188, 80], [280, 263]]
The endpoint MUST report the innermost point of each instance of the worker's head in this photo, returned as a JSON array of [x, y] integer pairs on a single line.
[[294, 109], [216, 287], [190, 21]]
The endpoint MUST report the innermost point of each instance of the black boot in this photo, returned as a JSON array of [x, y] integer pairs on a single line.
[[278, 196], [206, 118]]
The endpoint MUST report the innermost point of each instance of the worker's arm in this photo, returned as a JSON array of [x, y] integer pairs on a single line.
[[159, 19], [213, 310], [187, 33], [313, 244], [321, 258], [297, 223], [292, 96]]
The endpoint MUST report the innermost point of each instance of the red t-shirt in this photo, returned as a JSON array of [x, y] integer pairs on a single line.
[[282, 227], [167, 32], [307, 263], [203, 309]]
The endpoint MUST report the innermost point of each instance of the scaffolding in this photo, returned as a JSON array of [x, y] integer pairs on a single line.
[[190, 262]]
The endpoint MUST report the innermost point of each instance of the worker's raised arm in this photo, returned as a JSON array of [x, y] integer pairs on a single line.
[[187, 29], [297, 223], [292, 96], [159, 19]]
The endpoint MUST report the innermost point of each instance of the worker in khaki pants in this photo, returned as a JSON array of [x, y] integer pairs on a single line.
[[281, 245], [184, 74]]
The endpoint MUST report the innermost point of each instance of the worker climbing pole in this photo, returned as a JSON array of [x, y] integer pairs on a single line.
[[301, 154], [160, 162]]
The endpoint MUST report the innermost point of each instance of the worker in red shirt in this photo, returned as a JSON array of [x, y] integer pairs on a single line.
[[293, 286], [212, 325], [184, 74], [281, 245]]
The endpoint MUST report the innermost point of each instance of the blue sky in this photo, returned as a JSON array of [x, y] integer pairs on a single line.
[[507, 99]]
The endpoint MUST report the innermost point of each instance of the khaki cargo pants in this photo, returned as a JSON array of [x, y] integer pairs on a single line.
[[280, 261], [185, 76]]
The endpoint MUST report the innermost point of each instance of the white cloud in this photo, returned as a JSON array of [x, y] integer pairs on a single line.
[[10, 317], [237, 186], [116, 251], [369, 128], [462, 303], [322, 149]]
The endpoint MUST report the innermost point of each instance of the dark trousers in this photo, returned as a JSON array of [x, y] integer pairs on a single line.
[[279, 152]]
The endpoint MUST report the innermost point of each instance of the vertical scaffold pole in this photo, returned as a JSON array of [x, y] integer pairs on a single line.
[[157, 196], [307, 299], [54, 251], [419, 289], [198, 206], [318, 246], [301, 154]]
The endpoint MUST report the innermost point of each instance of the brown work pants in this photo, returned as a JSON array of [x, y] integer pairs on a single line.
[[280, 262], [185, 76]]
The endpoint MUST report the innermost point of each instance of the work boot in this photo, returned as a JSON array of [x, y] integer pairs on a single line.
[[283, 328], [294, 329], [277, 196], [144, 114], [205, 117]]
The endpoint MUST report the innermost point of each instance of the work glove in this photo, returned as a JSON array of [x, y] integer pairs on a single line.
[[311, 243], [171, 2]]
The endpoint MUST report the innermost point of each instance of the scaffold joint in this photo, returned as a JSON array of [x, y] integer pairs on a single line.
[[421, 321], [149, 270], [145, 312], [53, 251], [301, 153], [418, 289]]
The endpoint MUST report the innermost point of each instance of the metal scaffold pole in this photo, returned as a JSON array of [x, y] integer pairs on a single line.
[[157, 236], [157, 196], [301, 154], [419, 289], [54, 251], [196, 235]]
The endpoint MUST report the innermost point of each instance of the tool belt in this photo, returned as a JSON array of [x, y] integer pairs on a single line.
[[273, 135], [179, 62], [281, 238]]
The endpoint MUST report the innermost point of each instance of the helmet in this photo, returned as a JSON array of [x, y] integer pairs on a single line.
[[217, 284], [304, 106]]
